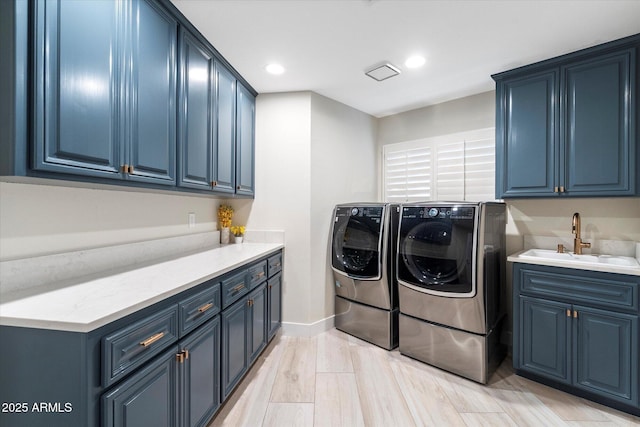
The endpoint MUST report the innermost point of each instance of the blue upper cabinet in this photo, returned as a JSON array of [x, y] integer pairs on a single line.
[[196, 113], [125, 92], [567, 126], [77, 64], [245, 142], [225, 148], [598, 111], [105, 89], [529, 140], [152, 96]]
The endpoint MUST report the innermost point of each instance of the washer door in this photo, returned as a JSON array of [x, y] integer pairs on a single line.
[[356, 248]]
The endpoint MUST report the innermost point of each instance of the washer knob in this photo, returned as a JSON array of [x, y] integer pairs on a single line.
[[354, 211], [433, 212]]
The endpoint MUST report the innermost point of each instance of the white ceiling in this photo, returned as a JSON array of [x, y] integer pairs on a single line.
[[327, 45]]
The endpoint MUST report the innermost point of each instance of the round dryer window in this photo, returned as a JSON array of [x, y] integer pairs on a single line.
[[434, 256]]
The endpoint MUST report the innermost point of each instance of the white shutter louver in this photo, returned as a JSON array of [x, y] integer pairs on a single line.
[[407, 175], [451, 167]]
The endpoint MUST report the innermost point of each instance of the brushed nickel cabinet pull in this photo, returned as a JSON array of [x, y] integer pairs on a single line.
[[238, 287], [259, 275], [575, 314], [562, 189], [555, 189], [205, 307], [152, 339], [568, 312], [131, 169], [124, 168]]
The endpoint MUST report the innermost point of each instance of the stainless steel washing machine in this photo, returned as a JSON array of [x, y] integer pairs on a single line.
[[363, 263], [451, 283]]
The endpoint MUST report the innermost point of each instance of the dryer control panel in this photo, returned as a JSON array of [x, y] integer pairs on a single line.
[[444, 212]]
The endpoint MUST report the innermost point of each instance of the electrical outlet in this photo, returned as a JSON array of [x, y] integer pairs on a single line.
[[192, 219]]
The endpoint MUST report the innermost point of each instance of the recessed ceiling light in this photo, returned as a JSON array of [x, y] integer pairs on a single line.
[[415, 61], [274, 69]]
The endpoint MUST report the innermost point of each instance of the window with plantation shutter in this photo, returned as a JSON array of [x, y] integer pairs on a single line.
[[452, 167]]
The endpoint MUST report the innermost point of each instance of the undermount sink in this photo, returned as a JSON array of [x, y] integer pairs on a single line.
[[593, 259]]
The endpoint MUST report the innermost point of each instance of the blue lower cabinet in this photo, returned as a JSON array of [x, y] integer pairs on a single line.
[[606, 358], [199, 359], [544, 331], [590, 350], [234, 345], [244, 336], [148, 398], [258, 315], [274, 297]]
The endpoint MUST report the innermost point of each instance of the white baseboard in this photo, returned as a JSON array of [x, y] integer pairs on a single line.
[[292, 329]]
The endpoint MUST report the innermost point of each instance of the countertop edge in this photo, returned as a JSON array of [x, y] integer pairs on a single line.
[[515, 257], [84, 327]]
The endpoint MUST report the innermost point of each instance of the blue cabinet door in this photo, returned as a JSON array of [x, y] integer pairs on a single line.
[[274, 287], [235, 324], [224, 167], [544, 332], [245, 165], [196, 113], [152, 99], [77, 99], [200, 379], [606, 356], [258, 311], [598, 115], [526, 141], [148, 398]]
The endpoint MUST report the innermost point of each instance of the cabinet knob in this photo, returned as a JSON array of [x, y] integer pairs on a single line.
[[238, 187], [214, 183]]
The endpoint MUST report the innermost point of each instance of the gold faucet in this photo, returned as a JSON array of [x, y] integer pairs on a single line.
[[578, 244]]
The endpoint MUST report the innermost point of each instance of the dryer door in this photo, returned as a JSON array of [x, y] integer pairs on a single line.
[[435, 250], [357, 238]]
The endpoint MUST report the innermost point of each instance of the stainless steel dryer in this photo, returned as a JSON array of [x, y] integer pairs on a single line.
[[451, 282], [363, 262]]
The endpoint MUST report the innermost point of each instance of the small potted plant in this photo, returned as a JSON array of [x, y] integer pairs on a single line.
[[225, 215], [238, 232]]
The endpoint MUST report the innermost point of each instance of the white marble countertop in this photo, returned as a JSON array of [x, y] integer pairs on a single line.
[[82, 305], [608, 268]]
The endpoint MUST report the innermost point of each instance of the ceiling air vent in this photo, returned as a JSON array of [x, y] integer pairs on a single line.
[[383, 72]]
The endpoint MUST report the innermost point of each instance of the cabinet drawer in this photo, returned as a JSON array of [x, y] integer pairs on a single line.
[[275, 264], [593, 288], [197, 309], [257, 274], [128, 348], [234, 288]]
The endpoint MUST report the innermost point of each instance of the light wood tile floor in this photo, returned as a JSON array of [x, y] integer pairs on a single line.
[[335, 379]]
